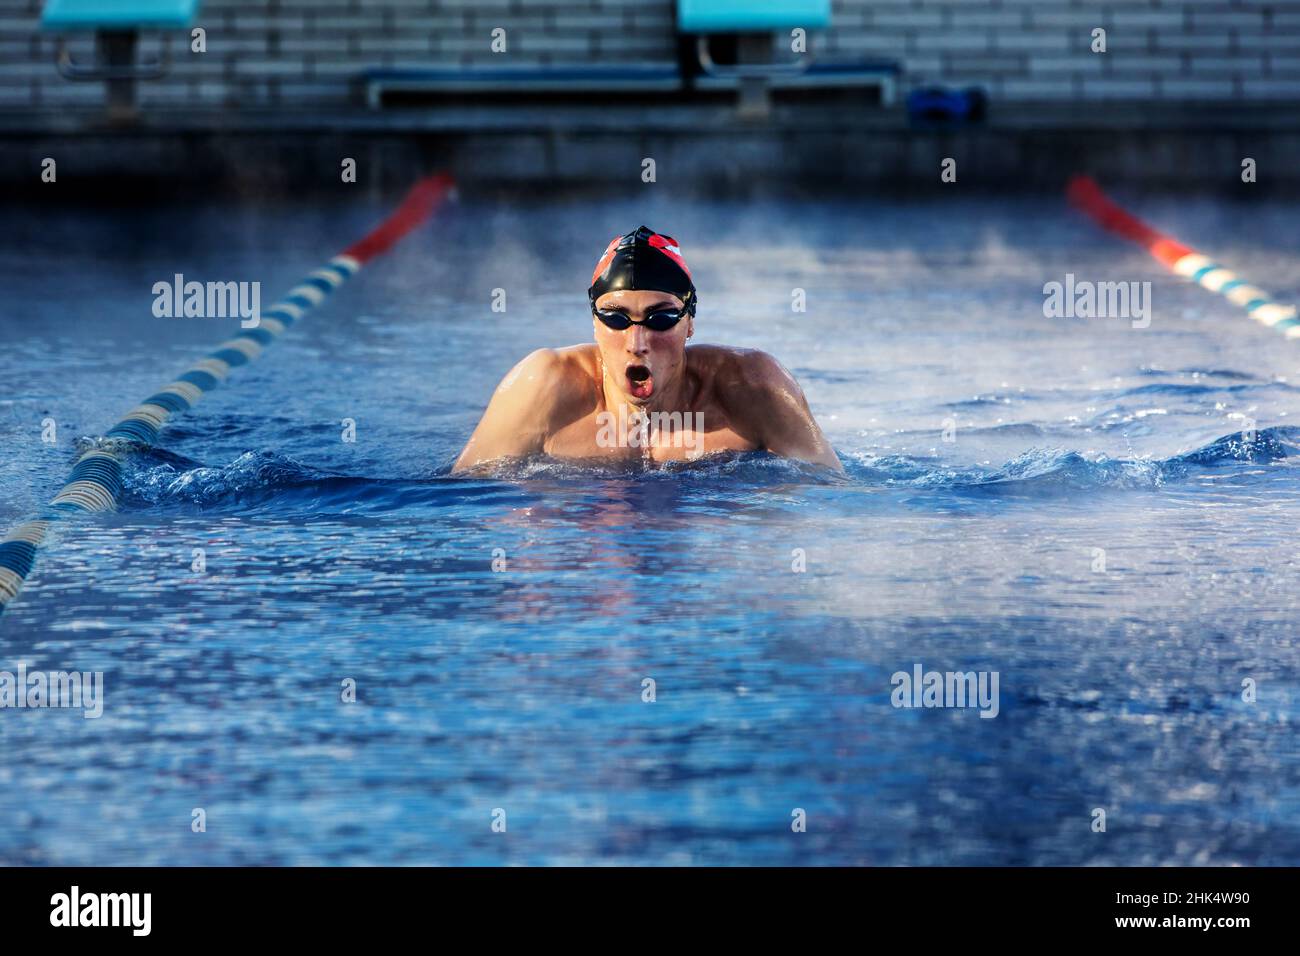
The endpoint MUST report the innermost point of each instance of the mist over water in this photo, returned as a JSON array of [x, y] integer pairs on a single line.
[[1171, 449]]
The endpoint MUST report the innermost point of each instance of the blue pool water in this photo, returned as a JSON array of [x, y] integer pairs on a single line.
[[521, 689]]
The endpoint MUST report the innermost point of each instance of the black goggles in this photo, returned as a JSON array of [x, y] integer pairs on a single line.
[[658, 321]]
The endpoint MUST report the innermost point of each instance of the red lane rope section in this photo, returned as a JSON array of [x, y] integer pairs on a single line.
[[1084, 192], [420, 202]]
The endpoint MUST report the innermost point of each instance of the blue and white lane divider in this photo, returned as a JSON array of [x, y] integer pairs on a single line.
[[95, 482]]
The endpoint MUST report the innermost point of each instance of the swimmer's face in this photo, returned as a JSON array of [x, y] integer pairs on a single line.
[[640, 363]]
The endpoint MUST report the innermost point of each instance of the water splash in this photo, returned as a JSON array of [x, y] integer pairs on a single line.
[[162, 480]]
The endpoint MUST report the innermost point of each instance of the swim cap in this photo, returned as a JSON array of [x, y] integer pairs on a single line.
[[643, 259]]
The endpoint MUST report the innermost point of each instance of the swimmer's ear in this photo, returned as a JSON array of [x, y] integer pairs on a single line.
[[690, 326]]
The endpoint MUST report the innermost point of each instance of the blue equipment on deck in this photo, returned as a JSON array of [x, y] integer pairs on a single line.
[[117, 24], [937, 106]]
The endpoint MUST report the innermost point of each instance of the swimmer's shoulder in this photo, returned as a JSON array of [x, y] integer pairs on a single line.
[[575, 368], [583, 358], [737, 372], [546, 367], [555, 378]]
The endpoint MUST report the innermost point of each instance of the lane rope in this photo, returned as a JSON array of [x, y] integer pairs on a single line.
[[95, 481], [1084, 193]]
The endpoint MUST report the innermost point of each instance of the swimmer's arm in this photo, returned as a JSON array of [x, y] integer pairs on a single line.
[[778, 414], [517, 420]]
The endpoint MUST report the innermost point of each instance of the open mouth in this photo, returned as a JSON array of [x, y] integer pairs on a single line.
[[640, 382]]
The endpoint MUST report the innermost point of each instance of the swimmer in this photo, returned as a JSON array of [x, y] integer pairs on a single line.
[[640, 393]]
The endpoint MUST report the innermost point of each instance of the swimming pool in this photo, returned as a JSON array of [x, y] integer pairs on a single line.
[[522, 689]]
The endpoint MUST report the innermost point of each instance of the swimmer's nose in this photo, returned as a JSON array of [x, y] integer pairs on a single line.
[[638, 340]]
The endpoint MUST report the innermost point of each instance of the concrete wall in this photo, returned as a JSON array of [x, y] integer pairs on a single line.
[[308, 52]]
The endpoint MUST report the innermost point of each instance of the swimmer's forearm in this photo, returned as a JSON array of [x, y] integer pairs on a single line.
[[467, 460], [506, 431], [792, 432], [819, 454], [777, 414], [483, 449], [474, 466], [828, 458]]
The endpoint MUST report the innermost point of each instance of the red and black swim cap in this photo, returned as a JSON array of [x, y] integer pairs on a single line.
[[643, 259]]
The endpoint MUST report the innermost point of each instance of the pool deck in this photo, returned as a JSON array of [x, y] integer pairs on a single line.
[[814, 145]]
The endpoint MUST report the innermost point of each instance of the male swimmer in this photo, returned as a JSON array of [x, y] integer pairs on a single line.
[[640, 393]]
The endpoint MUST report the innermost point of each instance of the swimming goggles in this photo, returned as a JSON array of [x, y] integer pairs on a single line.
[[660, 321]]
